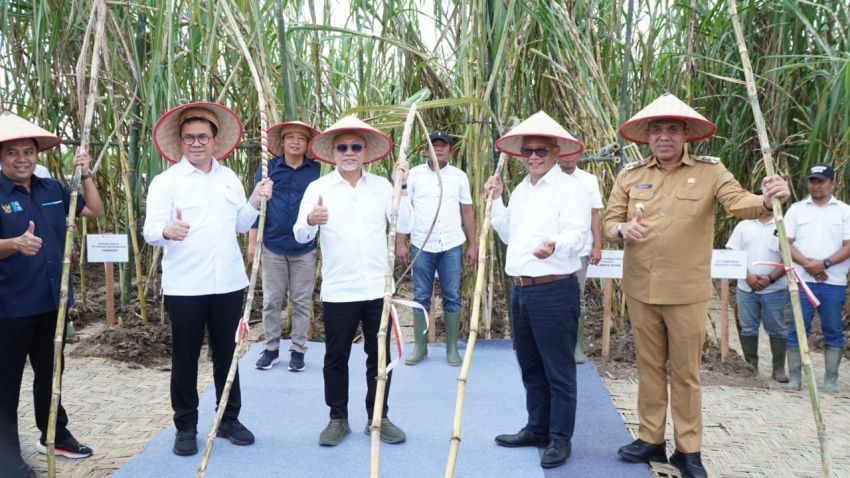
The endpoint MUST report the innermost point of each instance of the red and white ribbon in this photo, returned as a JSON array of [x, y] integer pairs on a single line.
[[397, 328], [809, 294], [242, 329]]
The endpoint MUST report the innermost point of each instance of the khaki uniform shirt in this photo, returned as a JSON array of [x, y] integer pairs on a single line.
[[671, 264]]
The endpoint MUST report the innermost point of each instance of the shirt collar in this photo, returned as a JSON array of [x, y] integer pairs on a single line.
[[7, 185], [337, 178], [185, 168], [686, 159], [548, 178], [832, 200]]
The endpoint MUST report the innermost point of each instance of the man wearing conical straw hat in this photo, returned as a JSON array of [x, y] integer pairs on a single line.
[[288, 265], [662, 209], [350, 208], [545, 225], [194, 210], [33, 214]]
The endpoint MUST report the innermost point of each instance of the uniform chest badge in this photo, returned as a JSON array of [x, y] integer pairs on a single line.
[[7, 208], [692, 180]]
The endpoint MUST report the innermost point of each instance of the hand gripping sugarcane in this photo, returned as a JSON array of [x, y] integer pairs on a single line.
[[793, 289], [377, 410], [242, 330], [85, 139]]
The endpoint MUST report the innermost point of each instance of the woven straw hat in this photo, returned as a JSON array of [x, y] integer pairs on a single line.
[[666, 106], [278, 131], [378, 144], [13, 127], [166, 133], [539, 124]]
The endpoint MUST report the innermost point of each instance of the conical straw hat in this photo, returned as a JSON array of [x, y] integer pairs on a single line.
[[539, 124], [666, 106], [166, 133], [278, 131], [13, 127], [378, 144]]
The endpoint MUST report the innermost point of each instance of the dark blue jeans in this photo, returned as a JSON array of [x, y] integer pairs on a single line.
[[831, 308], [447, 265], [545, 323]]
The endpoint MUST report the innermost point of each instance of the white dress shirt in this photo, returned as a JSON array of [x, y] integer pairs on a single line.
[[555, 208], [424, 191], [819, 231], [591, 187], [208, 260], [761, 245], [354, 240]]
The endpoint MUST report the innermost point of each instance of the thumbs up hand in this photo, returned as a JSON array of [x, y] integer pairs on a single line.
[[634, 230], [319, 214], [177, 230], [28, 243]]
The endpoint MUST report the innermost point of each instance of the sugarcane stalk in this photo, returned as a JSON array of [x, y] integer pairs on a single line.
[[483, 235], [58, 338], [793, 289], [264, 157], [128, 193], [389, 288]]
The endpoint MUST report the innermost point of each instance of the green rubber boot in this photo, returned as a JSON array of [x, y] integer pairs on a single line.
[[750, 347], [579, 352], [778, 345], [452, 331], [795, 365], [420, 348], [832, 359]]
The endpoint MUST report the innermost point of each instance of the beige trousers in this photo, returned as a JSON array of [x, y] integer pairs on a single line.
[[673, 333]]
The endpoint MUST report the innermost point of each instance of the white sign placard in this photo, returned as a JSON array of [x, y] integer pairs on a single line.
[[610, 267], [728, 264], [107, 248]]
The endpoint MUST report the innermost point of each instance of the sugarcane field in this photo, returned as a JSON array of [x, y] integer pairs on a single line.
[[416, 238]]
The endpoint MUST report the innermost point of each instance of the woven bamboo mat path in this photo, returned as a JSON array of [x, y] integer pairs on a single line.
[[117, 409]]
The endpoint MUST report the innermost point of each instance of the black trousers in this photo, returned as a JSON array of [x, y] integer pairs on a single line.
[[190, 315], [20, 337], [341, 320], [545, 326]]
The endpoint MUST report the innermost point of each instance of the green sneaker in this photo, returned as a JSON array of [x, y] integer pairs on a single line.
[[333, 434], [389, 432]]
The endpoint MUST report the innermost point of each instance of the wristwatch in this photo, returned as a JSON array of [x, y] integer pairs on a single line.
[[827, 263], [619, 231]]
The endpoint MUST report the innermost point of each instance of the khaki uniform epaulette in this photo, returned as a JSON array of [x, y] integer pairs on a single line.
[[708, 159], [634, 165]]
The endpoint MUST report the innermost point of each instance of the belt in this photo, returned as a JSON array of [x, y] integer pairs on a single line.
[[524, 281]]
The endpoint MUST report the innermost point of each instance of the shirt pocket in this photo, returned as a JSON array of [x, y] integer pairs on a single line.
[[192, 208], [835, 229], [640, 196], [688, 203]]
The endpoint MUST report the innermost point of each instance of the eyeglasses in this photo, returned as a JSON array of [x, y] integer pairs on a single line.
[[343, 147], [527, 152], [189, 139]]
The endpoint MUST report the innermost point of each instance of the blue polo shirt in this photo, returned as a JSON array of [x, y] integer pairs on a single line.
[[282, 207], [29, 285]]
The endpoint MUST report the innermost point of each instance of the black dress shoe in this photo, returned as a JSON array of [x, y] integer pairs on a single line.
[[523, 438], [556, 453], [689, 464], [186, 443], [640, 451]]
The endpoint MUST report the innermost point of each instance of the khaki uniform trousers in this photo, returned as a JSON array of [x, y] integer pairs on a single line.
[[675, 333]]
